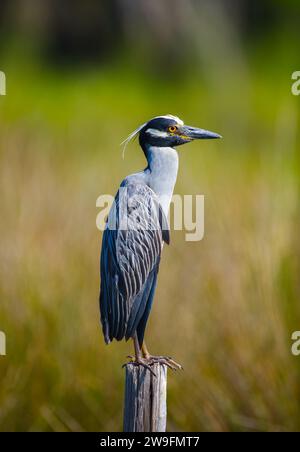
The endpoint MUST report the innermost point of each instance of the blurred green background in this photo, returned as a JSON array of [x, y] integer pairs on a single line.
[[80, 77]]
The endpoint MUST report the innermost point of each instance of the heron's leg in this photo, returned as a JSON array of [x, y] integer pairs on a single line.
[[139, 359], [137, 349], [167, 360], [145, 350]]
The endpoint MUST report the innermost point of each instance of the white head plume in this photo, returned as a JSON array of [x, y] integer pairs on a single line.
[[131, 137]]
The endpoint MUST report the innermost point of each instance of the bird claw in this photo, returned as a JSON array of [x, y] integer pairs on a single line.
[[148, 361], [141, 362], [166, 360]]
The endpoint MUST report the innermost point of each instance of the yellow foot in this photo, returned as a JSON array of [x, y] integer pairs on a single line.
[[166, 360], [139, 361]]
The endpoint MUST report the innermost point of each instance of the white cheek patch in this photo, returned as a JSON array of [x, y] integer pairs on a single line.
[[157, 133]]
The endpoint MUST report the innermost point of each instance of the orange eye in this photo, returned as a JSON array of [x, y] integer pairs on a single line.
[[172, 129]]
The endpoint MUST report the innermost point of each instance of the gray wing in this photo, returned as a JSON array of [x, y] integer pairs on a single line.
[[131, 250]]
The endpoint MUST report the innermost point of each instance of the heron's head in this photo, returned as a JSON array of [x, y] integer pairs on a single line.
[[168, 131]]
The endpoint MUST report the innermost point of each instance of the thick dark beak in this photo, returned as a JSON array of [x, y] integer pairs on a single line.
[[199, 134]]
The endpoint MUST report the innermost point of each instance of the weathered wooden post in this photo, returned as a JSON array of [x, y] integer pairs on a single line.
[[145, 407]]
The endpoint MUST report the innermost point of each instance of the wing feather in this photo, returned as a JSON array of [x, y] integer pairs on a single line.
[[130, 258]]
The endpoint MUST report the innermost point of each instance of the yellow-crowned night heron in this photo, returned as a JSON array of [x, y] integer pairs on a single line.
[[136, 229]]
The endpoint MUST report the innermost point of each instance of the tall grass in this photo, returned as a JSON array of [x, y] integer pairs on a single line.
[[225, 307]]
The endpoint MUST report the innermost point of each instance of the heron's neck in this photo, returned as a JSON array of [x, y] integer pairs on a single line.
[[162, 173]]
